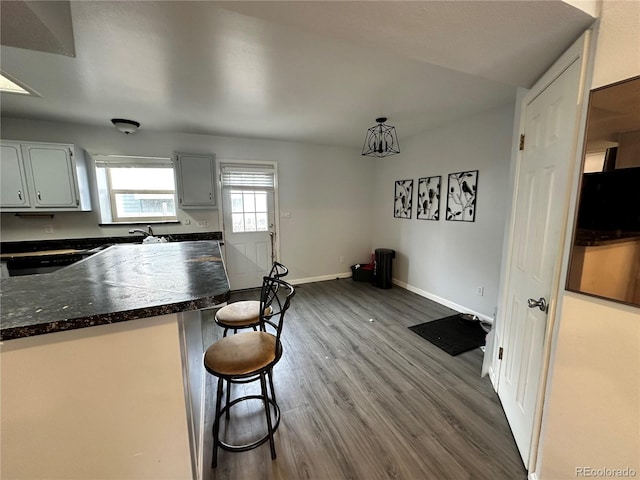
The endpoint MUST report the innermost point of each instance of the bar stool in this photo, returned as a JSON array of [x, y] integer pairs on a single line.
[[246, 313], [248, 357]]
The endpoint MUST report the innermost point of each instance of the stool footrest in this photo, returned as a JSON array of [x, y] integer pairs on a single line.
[[249, 446]]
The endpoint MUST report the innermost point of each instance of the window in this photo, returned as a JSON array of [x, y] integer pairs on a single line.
[[249, 211], [134, 189]]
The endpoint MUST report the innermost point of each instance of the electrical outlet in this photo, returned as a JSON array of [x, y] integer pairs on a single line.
[[48, 228], [341, 259], [187, 221], [480, 291], [203, 223], [285, 214]]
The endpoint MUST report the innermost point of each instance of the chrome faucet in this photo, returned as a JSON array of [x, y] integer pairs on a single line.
[[145, 234]]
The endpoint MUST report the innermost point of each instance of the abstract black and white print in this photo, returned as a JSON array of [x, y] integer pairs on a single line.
[[461, 196], [429, 198], [402, 200]]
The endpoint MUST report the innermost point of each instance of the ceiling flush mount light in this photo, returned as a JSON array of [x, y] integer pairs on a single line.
[[125, 126], [381, 140]]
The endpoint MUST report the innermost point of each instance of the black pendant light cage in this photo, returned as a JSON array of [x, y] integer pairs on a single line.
[[381, 140]]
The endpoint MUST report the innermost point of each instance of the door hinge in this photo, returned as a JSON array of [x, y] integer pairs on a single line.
[[522, 141], [500, 352]]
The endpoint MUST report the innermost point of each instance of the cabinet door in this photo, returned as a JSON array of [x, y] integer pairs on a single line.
[[13, 185], [195, 176], [51, 168]]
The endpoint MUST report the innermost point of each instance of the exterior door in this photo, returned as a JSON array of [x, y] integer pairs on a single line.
[[248, 205], [550, 114]]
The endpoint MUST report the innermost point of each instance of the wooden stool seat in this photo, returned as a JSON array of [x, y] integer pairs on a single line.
[[243, 314], [242, 354]]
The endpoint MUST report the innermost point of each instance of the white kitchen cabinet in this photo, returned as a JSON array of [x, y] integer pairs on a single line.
[[13, 181], [195, 179], [53, 177]]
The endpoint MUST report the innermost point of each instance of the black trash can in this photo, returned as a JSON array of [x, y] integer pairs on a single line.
[[382, 275]]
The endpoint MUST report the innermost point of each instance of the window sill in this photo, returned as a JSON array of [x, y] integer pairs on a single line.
[[120, 224]]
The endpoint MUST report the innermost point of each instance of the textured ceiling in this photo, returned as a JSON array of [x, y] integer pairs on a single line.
[[316, 72]]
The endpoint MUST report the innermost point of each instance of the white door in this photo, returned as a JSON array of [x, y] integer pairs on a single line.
[[540, 216], [248, 206]]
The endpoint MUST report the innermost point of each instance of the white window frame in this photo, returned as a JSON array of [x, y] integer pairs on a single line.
[[121, 161]]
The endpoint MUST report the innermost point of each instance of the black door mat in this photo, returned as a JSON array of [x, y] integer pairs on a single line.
[[452, 334]]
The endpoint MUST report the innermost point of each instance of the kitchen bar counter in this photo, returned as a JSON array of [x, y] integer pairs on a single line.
[[123, 282], [124, 398]]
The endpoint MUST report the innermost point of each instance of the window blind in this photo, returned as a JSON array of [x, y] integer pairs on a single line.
[[248, 177], [124, 161]]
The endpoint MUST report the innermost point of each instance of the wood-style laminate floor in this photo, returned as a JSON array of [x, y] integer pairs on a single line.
[[369, 400]]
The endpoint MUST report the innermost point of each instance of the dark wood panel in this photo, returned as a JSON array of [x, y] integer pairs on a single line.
[[371, 400]]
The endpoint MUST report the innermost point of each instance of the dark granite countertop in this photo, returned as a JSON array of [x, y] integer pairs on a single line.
[[122, 282]]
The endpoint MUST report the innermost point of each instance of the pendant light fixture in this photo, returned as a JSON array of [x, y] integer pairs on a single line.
[[381, 140]]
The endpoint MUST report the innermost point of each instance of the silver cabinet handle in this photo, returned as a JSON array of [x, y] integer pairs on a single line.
[[39, 197], [541, 303], [20, 194]]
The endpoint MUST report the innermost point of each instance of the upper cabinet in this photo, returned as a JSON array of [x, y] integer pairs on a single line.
[[13, 181], [43, 177], [195, 179]]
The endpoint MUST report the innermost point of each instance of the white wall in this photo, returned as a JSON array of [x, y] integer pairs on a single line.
[[441, 259], [326, 189], [592, 407]]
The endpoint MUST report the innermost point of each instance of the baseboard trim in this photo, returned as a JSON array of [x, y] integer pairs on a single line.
[[321, 278], [442, 301]]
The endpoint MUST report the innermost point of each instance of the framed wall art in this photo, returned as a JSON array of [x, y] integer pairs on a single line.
[[461, 196], [428, 198], [402, 199]]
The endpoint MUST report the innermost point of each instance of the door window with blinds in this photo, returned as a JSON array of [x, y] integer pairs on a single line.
[[135, 189], [247, 190]]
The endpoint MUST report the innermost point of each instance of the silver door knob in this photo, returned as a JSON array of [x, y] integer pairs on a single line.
[[541, 303]]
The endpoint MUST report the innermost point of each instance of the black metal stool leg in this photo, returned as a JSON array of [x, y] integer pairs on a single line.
[[226, 413], [216, 424], [267, 409], [273, 391]]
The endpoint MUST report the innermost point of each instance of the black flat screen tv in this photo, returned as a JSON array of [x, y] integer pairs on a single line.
[[610, 201]]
